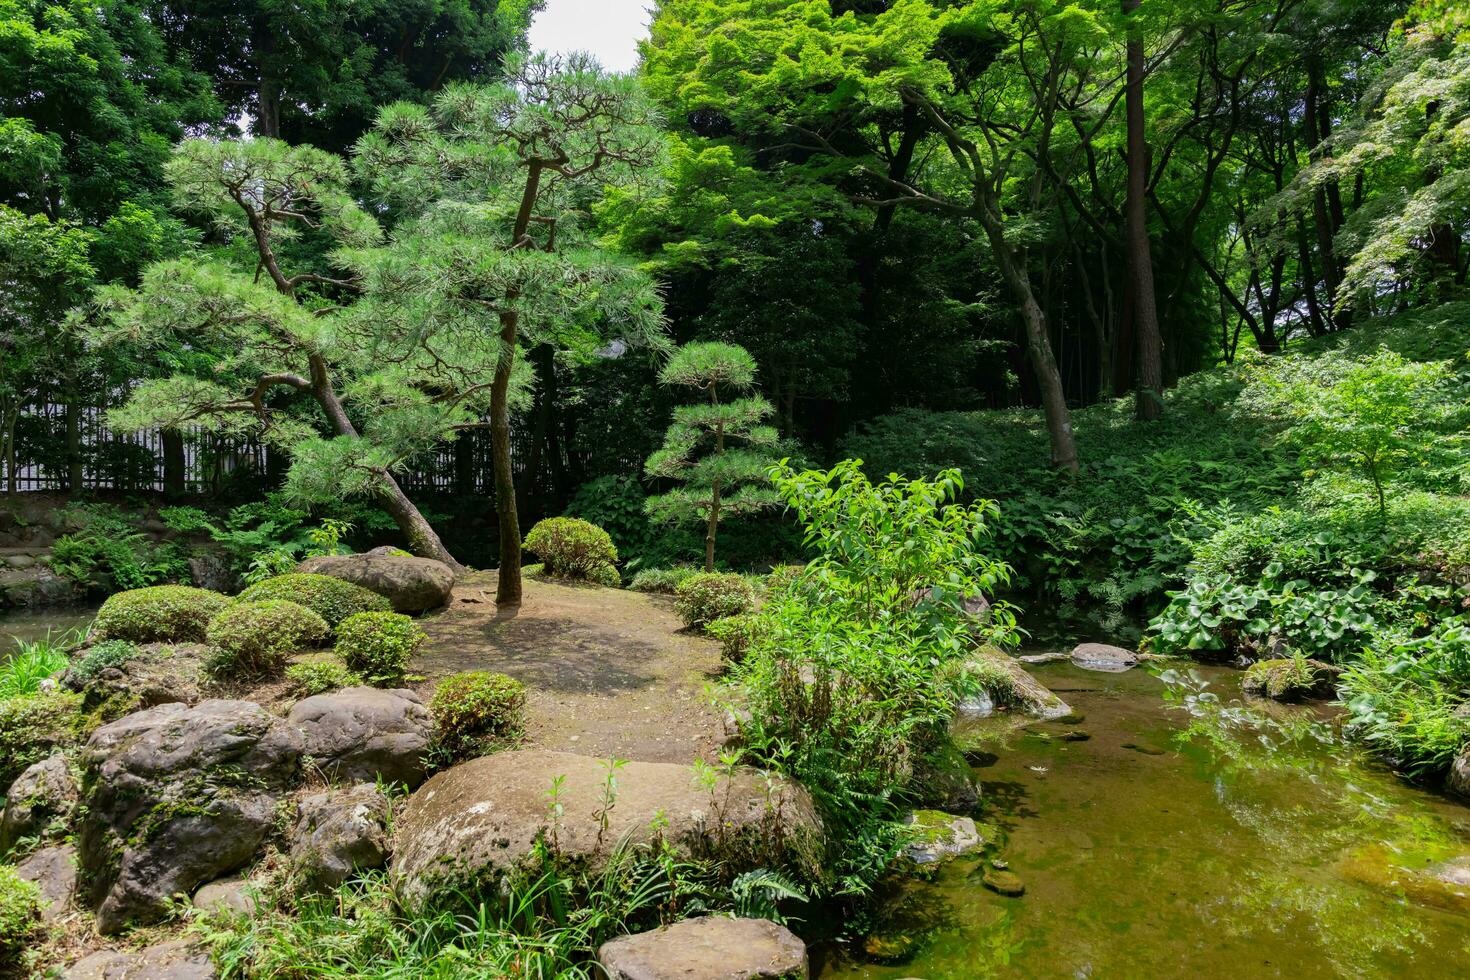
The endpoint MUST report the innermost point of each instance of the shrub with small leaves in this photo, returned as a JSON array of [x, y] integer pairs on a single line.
[[330, 598], [254, 639], [736, 634], [664, 580], [378, 645], [709, 596], [475, 711], [161, 613], [571, 548], [20, 914], [319, 676], [606, 575], [95, 659], [33, 727]]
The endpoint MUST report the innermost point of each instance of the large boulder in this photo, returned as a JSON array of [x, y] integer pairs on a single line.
[[167, 961], [413, 585], [41, 797], [481, 820], [339, 833], [53, 870], [710, 948], [1008, 683], [1104, 657], [176, 796], [361, 734], [1457, 780], [158, 673]]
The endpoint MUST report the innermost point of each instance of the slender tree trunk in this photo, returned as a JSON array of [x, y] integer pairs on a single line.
[[74, 474], [1148, 342], [7, 443], [1038, 349], [173, 464]]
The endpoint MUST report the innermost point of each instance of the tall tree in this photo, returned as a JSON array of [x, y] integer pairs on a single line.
[[497, 180], [1149, 344]]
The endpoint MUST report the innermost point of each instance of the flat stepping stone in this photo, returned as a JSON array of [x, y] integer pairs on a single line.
[[710, 948], [1103, 657], [939, 836], [1003, 882]]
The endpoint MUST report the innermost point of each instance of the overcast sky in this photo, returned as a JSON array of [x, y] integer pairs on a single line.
[[610, 29]]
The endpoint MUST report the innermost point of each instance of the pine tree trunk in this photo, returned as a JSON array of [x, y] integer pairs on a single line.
[[508, 585], [1148, 341]]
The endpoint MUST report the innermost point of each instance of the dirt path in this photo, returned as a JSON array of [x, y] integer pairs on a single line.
[[607, 672]]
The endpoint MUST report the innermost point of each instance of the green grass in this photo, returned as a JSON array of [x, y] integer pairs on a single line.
[[33, 662]]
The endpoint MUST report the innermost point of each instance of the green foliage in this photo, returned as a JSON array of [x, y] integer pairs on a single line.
[[616, 503], [707, 596], [851, 674], [107, 551], [330, 598], [30, 663], [20, 914], [312, 677], [606, 576], [1405, 695], [378, 645], [476, 712], [255, 638], [571, 548], [718, 450], [263, 539], [33, 727], [98, 657], [162, 613], [664, 580], [736, 634]]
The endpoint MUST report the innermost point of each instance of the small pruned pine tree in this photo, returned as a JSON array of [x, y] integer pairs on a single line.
[[719, 449]]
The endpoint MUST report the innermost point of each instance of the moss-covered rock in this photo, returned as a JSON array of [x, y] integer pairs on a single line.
[[936, 836], [1290, 679]]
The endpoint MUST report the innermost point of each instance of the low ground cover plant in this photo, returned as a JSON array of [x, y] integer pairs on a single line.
[[312, 677], [707, 596]]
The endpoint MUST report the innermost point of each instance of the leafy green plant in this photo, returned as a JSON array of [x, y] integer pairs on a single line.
[[708, 596], [161, 613], [378, 645], [330, 598], [663, 580], [32, 662], [319, 676], [736, 634], [20, 914], [107, 550], [98, 657], [573, 548], [476, 711], [256, 638]]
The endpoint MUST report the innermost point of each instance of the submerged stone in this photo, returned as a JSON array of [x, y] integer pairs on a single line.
[[1003, 882]]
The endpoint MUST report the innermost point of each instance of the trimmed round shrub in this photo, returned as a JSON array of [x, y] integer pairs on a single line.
[[252, 639], [701, 599], [159, 614], [330, 598], [475, 711], [320, 676], [606, 575], [33, 727], [736, 634], [20, 914], [571, 548], [378, 645]]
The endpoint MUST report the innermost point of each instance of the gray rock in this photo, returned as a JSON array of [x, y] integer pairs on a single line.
[[161, 673], [177, 796], [1036, 659], [359, 734], [978, 705], [21, 561], [339, 833], [54, 871], [166, 961], [1457, 781], [1022, 691], [23, 588], [208, 570], [939, 836], [709, 948], [236, 895], [483, 818], [1103, 657], [413, 585], [42, 796]]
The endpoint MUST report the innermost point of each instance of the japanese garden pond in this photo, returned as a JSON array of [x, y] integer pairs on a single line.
[[1191, 834]]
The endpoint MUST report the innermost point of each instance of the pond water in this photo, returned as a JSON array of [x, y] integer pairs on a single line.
[[1190, 835], [25, 625]]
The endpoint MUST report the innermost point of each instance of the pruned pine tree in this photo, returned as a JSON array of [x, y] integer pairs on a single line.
[[261, 319], [719, 449], [493, 186]]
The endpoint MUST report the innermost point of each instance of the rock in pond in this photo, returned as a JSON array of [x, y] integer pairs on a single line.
[[1003, 882], [413, 585], [1103, 657], [482, 819], [709, 948], [176, 796], [1022, 691], [1290, 679], [166, 961], [360, 734], [340, 832], [41, 799], [1457, 780], [939, 836], [54, 871]]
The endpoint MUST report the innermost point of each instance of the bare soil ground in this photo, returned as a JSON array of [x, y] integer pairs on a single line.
[[608, 672]]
